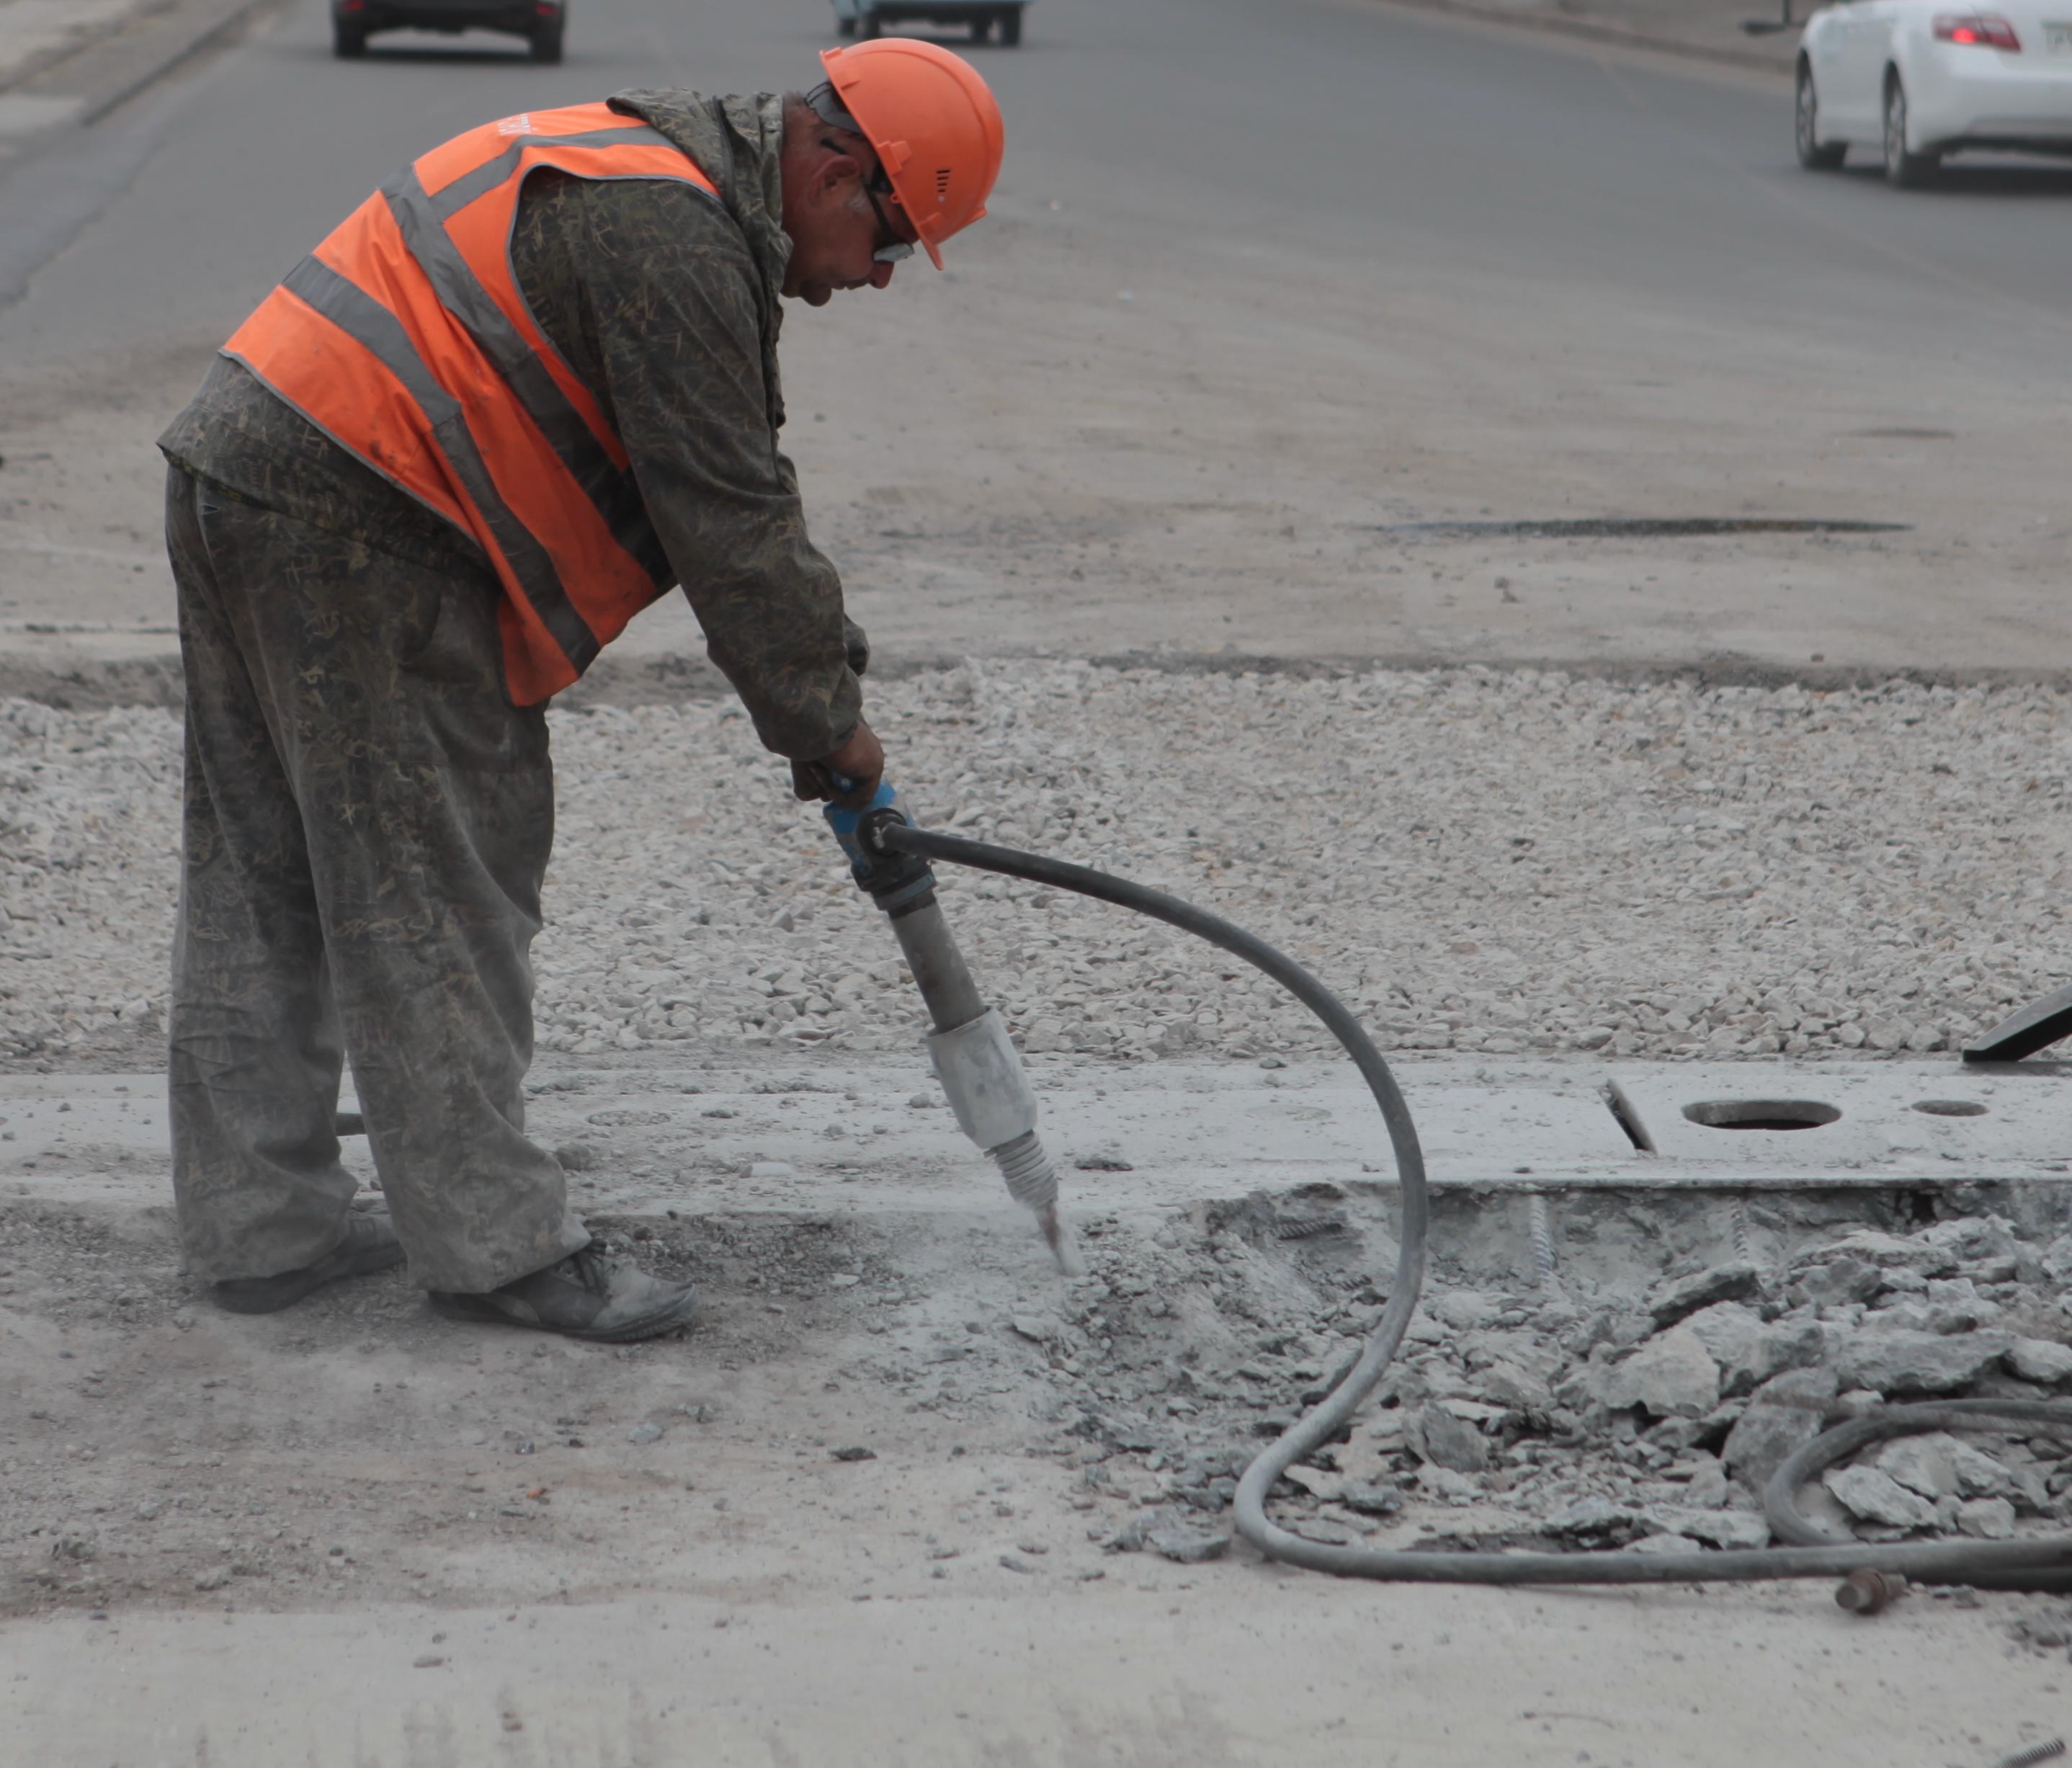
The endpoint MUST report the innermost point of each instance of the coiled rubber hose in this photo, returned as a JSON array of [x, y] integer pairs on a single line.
[[2041, 1563]]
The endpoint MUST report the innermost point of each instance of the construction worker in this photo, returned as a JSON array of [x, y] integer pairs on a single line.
[[525, 388]]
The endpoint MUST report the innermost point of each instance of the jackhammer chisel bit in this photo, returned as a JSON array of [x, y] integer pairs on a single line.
[[974, 1057]]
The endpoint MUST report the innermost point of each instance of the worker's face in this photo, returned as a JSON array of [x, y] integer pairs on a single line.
[[843, 221]]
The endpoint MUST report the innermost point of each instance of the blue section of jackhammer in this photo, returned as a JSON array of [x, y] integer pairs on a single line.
[[894, 881]]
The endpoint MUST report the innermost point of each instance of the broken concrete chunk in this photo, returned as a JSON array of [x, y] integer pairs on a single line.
[[1738, 1280], [1872, 1496], [1186, 1546], [1592, 1516], [1765, 1437], [1906, 1363], [1735, 1531], [1972, 1236], [1314, 1481], [1922, 1464], [1671, 1376], [1375, 1500], [1463, 1309], [1444, 1484], [1893, 1252], [1837, 1281], [1707, 1487], [1986, 1518], [1818, 1506], [2038, 1359], [1507, 1384], [1750, 1350], [579, 1156], [2058, 1258], [1980, 1475], [1130, 1537], [1451, 1442], [1323, 1531]]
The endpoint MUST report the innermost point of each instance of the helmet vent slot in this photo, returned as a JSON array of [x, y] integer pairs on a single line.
[[942, 181]]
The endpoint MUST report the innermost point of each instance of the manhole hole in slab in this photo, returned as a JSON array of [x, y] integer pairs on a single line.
[[1951, 1108], [1627, 528], [1761, 1113]]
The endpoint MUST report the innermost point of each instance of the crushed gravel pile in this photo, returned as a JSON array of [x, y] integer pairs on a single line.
[[1480, 860], [1560, 1418]]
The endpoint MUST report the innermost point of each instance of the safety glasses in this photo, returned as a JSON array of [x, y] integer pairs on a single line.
[[895, 250]]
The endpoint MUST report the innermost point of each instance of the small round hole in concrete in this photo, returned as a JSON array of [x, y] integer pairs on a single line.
[[1951, 1108], [1761, 1113]]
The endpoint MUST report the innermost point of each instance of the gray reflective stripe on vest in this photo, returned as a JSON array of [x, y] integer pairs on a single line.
[[454, 197], [613, 494], [367, 322]]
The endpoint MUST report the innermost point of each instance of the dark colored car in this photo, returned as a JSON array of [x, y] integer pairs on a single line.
[[539, 21], [1000, 19]]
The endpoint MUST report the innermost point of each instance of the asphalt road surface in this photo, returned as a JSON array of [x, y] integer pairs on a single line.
[[1263, 282]]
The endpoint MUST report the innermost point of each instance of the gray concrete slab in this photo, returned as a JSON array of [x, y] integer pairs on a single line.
[[800, 1135], [876, 1664], [2021, 1123]]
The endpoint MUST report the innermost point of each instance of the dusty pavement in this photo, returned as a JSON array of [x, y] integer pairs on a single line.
[[904, 1496]]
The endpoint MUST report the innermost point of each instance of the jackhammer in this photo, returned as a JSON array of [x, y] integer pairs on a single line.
[[973, 1057]]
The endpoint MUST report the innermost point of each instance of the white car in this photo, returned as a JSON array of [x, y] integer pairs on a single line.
[[1919, 79]]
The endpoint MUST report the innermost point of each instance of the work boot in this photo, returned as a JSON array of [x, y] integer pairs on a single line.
[[370, 1245], [586, 1296]]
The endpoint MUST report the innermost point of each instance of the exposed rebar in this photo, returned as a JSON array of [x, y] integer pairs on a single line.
[[1540, 1221], [2036, 1753]]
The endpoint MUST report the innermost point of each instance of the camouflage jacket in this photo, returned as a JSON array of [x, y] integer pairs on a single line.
[[666, 306]]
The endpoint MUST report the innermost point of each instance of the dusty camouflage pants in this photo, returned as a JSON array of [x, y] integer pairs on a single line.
[[368, 820]]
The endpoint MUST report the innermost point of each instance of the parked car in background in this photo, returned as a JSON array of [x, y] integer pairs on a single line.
[[1919, 79], [1000, 19], [541, 22]]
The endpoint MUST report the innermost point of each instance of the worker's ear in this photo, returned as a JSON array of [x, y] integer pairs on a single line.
[[834, 179]]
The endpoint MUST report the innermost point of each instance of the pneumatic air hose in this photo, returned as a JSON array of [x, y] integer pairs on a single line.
[[2042, 1563]]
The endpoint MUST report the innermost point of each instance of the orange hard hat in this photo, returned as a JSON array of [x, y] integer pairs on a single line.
[[933, 123]]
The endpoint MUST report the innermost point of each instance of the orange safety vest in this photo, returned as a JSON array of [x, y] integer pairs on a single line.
[[404, 337]]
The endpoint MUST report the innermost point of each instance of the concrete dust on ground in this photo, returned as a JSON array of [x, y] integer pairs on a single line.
[[896, 1432]]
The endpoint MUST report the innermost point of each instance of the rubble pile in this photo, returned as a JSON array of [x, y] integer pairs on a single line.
[[1560, 1419], [1502, 861]]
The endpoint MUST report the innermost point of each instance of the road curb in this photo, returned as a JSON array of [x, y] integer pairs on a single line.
[[1603, 30], [80, 681], [204, 25], [34, 67]]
